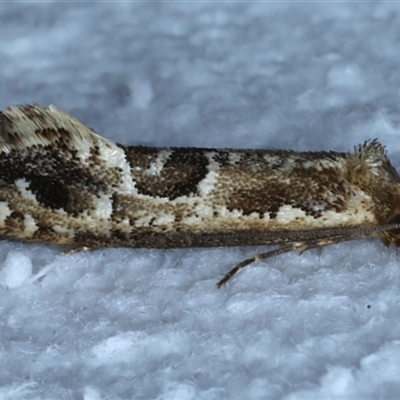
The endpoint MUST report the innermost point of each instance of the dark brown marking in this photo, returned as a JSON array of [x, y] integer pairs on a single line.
[[50, 192], [57, 179], [313, 189], [222, 158], [179, 176]]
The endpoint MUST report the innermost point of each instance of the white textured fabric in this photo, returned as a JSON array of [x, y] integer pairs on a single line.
[[150, 324]]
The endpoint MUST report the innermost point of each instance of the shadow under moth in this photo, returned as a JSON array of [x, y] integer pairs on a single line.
[[62, 183]]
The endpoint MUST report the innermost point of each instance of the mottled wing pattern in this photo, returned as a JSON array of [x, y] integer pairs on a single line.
[[63, 183]]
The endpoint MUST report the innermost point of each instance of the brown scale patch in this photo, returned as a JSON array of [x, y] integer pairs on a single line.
[[64, 136], [126, 207], [140, 157], [112, 177], [180, 174], [7, 132], [93, 240], [34, 114], [94, 154], [123, 237], [277, 163], [311, 190], [222, 158], [320, 155], [46, 133], [15, 221], [46, 233], [118, 207], [253, 158], [5, 123], [58, 135]]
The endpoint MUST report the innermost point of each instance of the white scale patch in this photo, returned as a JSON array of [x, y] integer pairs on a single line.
[[287, 214], [30, 226], [204, 211], [157, 166], [103, 208], [112, 154], [163, 219], [22, 186], [63, 230], [142, 222], [207, 185]]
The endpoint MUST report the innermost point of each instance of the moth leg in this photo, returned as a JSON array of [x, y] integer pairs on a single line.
[[301, 247], [280, 250]]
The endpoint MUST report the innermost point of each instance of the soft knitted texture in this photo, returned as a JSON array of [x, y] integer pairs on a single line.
[[150, 324]]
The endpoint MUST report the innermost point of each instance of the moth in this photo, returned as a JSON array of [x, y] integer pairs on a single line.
[[62, 183]]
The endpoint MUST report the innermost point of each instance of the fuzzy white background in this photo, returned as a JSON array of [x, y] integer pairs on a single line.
[[150, 324]]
